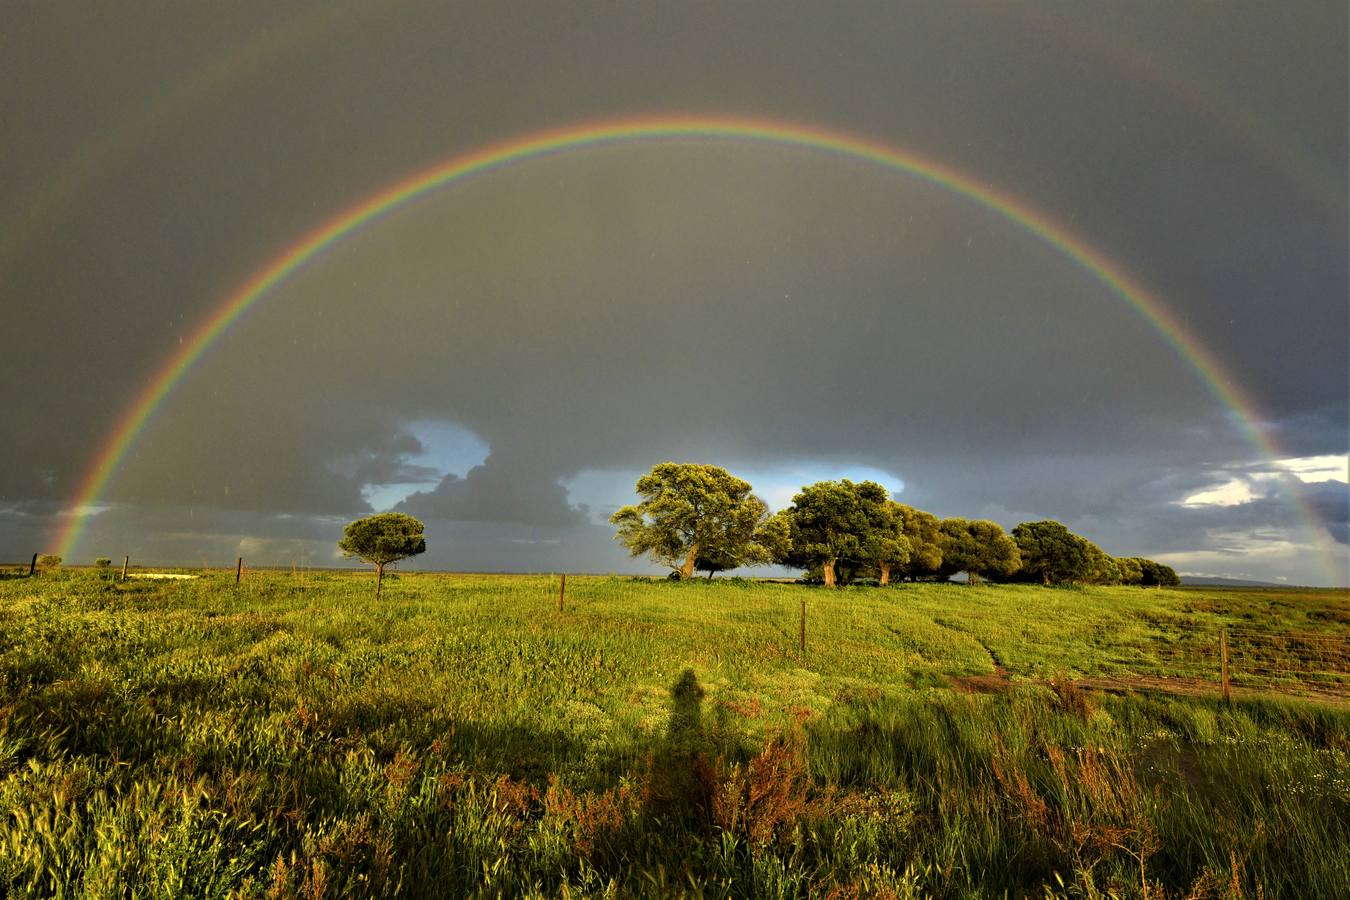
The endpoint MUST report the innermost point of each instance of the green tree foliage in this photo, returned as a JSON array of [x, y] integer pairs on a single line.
[[48, 561], [885, 547], [1130, 570], [1102, 568], [979, 548], [1052, 554], [834, 522], [103, 562], [770, 541], [924, 534], [383, 540], [1167, 576], [1155, 574], [691, 513]]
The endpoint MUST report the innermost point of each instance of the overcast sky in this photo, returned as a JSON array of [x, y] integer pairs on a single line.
[[504, 357]]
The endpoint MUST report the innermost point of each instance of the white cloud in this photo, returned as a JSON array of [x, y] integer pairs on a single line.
[[1231, 493], [1314, 469], [90, 509]]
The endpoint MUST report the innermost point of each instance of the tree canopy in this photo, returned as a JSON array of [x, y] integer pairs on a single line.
[[921, 529], [885, 546], [834, 521], [701, 517], [1052, 554], [691, 513], [1130, 570], [382, 540], [1156, 574], [977, 547]]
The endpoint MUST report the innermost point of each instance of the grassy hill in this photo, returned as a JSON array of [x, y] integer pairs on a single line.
[[288, 737]]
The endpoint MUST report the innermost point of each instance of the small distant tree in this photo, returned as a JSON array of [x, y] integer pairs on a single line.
[[382, 540], [692, 514], [102, 562], [48, 561], [1156, 574], [979, 548], [1167, 576]]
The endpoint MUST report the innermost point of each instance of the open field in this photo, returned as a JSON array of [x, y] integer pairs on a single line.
[[288, 737]]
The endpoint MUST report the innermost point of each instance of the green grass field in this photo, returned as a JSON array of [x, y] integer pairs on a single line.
[[289, 738]]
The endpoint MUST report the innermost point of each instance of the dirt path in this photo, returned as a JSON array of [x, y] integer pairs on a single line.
[[997, 683]]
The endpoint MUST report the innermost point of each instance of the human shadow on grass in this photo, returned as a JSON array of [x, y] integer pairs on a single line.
[[683, 777]]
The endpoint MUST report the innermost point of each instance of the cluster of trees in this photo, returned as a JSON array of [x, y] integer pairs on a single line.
[[702, 518], [1052, 554]]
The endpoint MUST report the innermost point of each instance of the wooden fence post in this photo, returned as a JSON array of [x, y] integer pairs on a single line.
[[562, 589], [801, 633], [238, 569], [1223, 655], [32, 566], [125, 561]]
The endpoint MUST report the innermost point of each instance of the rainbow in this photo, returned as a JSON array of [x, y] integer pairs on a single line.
[[591, 135]]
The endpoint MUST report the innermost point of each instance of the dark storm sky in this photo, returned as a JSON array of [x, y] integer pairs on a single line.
[[509, 353]]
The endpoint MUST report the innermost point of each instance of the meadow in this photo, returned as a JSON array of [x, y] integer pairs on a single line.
[[288, 737]]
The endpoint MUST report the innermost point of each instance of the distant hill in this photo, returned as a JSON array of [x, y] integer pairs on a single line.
[[1216, 581]]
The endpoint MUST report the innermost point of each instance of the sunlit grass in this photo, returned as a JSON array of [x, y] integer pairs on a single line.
[[287, 736]]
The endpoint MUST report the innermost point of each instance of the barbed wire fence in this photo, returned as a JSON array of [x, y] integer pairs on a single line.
[[1237, 658]]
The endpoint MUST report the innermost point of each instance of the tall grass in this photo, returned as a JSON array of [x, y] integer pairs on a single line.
[[287, 737]]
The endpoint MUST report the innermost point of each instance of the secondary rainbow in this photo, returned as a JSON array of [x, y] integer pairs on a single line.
[[596, 134]]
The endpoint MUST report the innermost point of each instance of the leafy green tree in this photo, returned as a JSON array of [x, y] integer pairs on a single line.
[[833, 522], [691, 512], [885, 546], [48, 561], [979, 548], [103, 562], [921, 529], [770, 542], [1167, 576], [1052, 554], [1156, 574], [1129, 569], [1102, 568], [382, 540], [773, 540]]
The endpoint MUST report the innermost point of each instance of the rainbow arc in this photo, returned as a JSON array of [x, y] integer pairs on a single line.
[[577, 138]]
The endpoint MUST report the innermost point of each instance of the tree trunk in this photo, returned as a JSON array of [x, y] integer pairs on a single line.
[[885, 574], [829, 572], [710, 574], [687, 570], [379, 579]]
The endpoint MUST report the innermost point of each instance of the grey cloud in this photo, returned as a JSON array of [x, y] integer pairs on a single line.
[[614, 307], [494, 492], [1330, 500]]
